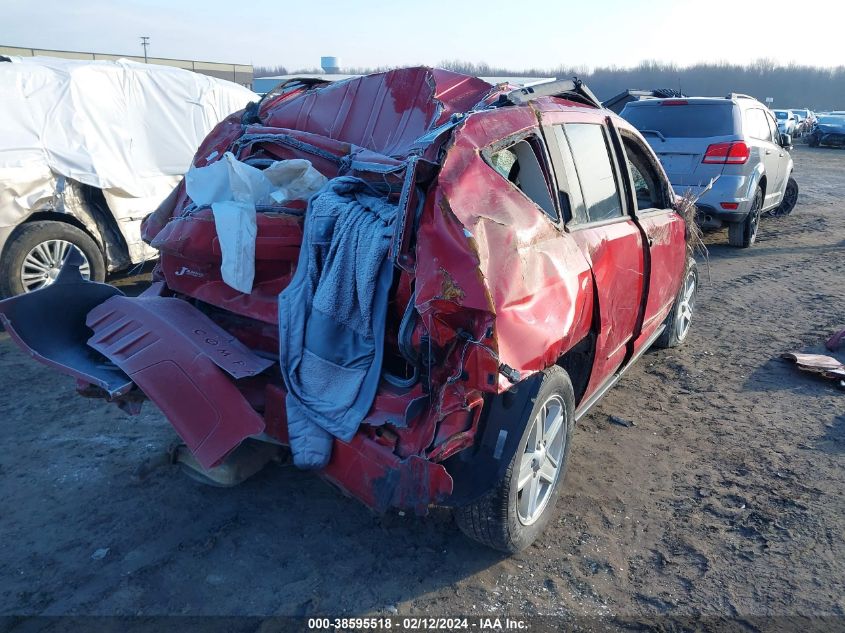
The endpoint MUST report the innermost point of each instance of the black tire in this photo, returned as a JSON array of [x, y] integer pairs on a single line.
[[744, 234], [790, 199], [814, 141], [677, 323], [30, 235], [494, 519]]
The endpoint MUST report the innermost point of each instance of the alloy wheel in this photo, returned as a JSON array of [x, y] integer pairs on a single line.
[[686, 305], [42, 264], [539, 466], [754, 219], [790, 199]]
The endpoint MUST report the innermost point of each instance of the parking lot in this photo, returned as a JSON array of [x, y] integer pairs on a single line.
[[724, 497]]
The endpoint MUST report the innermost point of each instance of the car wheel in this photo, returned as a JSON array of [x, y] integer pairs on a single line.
[[36, 251], [743, 234], [678, 322], [813, 141], [790, 199], [514, 513]]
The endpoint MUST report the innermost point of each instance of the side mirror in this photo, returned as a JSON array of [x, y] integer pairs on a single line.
[[786, 140]]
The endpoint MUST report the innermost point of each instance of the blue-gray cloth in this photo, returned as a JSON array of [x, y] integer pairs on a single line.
[[332, 318]]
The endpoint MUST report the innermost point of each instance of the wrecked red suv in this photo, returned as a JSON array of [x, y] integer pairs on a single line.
[[481, 266]]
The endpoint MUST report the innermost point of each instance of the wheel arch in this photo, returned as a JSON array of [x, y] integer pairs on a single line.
[[477, 469], [577, 362], [480, 467], [757, 178], [51, 215], [87, 210]]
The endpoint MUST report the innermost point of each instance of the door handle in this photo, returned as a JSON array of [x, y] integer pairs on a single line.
[[650, 240], [768, 151]]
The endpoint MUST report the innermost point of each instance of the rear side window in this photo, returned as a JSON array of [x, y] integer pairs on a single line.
[[693, 120], [648, 186], [773, 127], [756, 125], [520, 165], [590, 152]]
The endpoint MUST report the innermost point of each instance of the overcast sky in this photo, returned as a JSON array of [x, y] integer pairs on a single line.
[[513, 33]]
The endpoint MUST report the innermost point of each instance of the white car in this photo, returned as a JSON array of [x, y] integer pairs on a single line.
[[787, 121], [87, 150]]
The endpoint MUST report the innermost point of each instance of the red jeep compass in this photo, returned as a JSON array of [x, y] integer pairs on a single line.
[[481, 264]]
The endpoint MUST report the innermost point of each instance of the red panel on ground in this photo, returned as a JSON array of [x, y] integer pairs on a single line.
[[164, 360]]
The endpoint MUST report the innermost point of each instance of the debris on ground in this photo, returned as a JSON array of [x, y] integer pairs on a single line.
[[825, 366], [836, 341], [100, 553], [622, 422]]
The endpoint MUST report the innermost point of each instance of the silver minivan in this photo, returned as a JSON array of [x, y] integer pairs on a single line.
[[731, 145]]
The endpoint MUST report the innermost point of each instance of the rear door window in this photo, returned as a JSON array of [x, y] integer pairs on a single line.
[[521, 165], [693, 120], [591, 155], [569, 190], [773, 128], [648, 185], [756, 125]]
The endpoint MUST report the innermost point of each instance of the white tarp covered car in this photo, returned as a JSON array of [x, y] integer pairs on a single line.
[[87, 150]]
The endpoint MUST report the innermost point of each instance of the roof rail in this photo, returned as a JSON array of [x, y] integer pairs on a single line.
[[618, 102], [572, 89], [739, 95]]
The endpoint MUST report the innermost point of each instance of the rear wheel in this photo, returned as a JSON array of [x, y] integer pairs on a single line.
[[790, 199], [514, 513], [813, 141], [677, 324], [36, 252], [743, 234]]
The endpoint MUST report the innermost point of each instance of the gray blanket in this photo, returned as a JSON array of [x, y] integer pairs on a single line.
[[332, 318]]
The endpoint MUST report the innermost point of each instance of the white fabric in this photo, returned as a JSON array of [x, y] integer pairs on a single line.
[[294, 179], [109, 124], [233, 188]]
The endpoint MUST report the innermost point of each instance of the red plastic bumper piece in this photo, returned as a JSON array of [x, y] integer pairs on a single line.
[[177, 355], [381, 480]]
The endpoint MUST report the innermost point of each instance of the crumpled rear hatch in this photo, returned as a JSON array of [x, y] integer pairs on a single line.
[[206, 353]]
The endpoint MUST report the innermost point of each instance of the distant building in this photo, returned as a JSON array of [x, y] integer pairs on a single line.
[[238, 73]]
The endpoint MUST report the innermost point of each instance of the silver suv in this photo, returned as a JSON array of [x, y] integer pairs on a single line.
[[732, 141]]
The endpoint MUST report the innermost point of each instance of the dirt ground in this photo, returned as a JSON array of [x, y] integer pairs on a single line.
[[725, 498]]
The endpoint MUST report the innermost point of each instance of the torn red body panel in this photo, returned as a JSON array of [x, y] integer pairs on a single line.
[[501, 273], [180, 359]]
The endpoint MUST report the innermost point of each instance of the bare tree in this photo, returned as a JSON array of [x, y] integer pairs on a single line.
[[816, 87]]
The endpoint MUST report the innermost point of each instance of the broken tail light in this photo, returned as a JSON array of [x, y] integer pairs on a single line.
[[733, 153]]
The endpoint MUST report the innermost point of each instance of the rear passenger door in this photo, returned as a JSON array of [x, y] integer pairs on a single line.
[[759, 134], [783, 160], [650, 198], [588, 176]]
